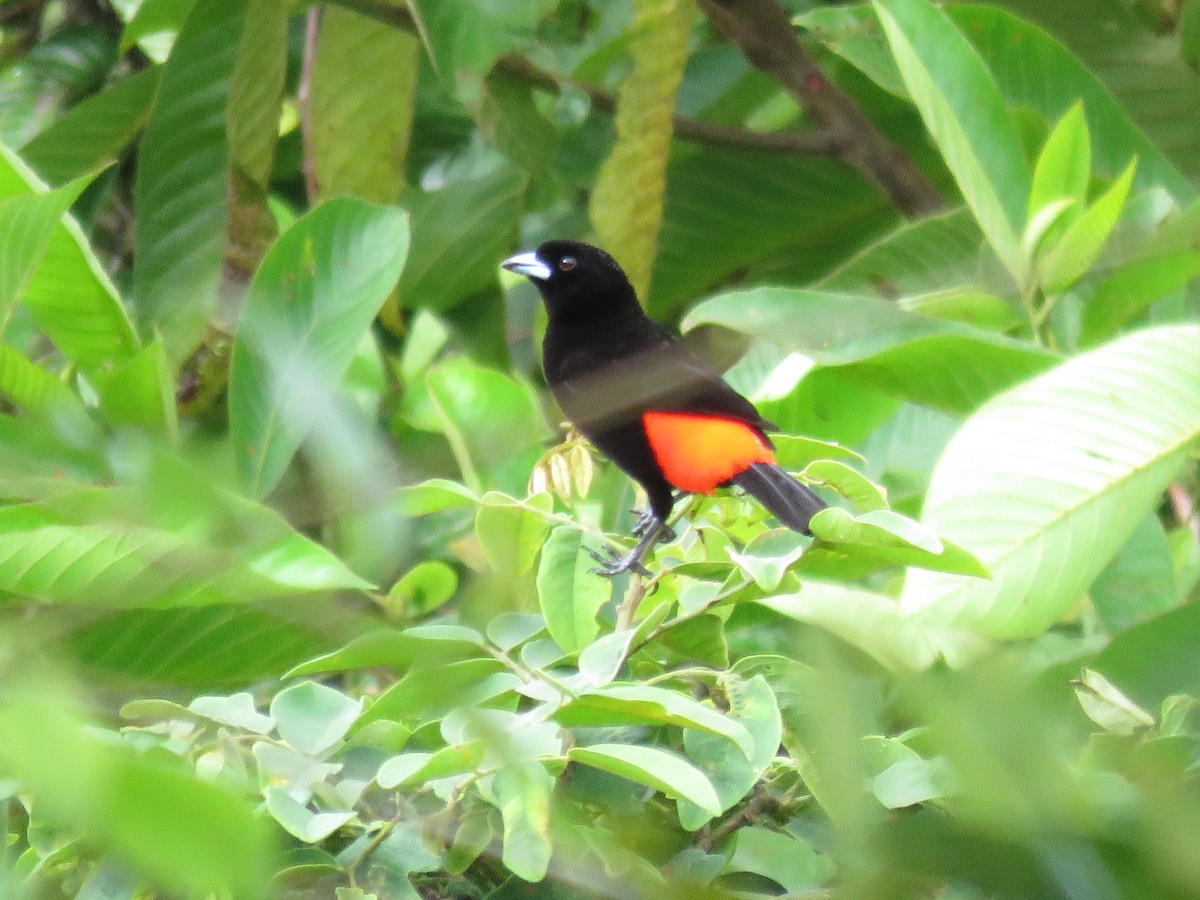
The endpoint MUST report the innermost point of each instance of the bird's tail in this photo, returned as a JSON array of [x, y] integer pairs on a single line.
[[792, 503]]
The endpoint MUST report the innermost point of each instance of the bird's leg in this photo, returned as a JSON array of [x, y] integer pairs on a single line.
[[611, 563], [645, 519]]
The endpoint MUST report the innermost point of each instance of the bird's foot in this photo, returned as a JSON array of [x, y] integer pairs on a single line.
[[612, 563], [645, 518]]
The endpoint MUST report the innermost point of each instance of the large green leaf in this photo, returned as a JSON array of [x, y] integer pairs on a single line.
[[919, 257], [945, 365], [472, 34], [363, 83], [460, 232], [724, 210], [1047, 481], [1126, 57], [183, 178], [1033, 70], [68, 294], [68, 551], [663, 771], [569, 593], [152, 812], [27, 225], [95, 132], [966, 115], [206, 646], [307, 309]]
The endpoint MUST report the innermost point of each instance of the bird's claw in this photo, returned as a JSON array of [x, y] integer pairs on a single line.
[[645, 518], [612, 563]]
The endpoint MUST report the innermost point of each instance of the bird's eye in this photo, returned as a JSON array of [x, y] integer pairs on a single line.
[[566, 264]]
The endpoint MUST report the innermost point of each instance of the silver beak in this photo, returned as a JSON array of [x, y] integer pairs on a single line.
[[529, 265]]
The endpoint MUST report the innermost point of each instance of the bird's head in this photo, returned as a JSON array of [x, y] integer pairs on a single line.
[[576, 280]]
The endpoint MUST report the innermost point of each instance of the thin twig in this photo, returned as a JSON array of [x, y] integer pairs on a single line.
[[304, 96], [763, 32]]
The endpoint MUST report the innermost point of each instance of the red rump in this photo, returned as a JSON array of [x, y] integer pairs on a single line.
[[697, 453]]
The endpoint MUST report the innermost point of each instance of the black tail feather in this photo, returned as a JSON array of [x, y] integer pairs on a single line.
[[792, 503]]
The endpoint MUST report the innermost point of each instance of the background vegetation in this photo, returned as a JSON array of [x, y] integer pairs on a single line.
[[296, 600]]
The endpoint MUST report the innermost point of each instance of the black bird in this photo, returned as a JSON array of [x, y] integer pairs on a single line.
[[649, 404]]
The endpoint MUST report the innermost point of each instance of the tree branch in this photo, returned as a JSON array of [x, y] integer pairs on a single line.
[[762, 31], [798, 143]]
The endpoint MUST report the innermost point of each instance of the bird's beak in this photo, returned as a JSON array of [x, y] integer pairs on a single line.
[[527, 264]]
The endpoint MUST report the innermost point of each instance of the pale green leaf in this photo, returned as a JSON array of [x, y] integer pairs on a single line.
[[1080, 245], [569, 593], [307, 309], [1047, 481], [966, 116], [659, 769]]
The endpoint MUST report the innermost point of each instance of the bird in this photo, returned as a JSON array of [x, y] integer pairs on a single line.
[[653, 407]]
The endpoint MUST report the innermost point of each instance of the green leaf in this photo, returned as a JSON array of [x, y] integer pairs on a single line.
[[210, 647], [1107, 706], [1047, 481], [522, 791], [424, 588], [153, 24], [418, 698], [432, 496], [236, 710], [1139, 581], [140, 391], [183, 179], [299, 821], [511, 532], [782, 857], [39, 393], [908, 782], [853, 33], [1157, 658], [430, 644], [794, 452], [803, 210], [492, 421], [129, 803], [945, 365], [363, 83], [459, 233], [869, 621], [850, 483], [94, 133], [1034, 70], [417, 768], [99, 562], [769, 555], [752, 704], [663, 771], [1081, 243], [918, 257], [569, 593], [966, 116], [255, 90], [625, 704], [306, 311], [69, 295], [312, 717], [1131, 289], [1064, 166], [887, 537], [473, 34]]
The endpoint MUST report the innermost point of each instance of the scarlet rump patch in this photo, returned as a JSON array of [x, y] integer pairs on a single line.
[[697, 452]]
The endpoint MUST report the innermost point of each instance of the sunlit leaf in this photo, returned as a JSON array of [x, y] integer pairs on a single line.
[[1045, 483], [311, 301]]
